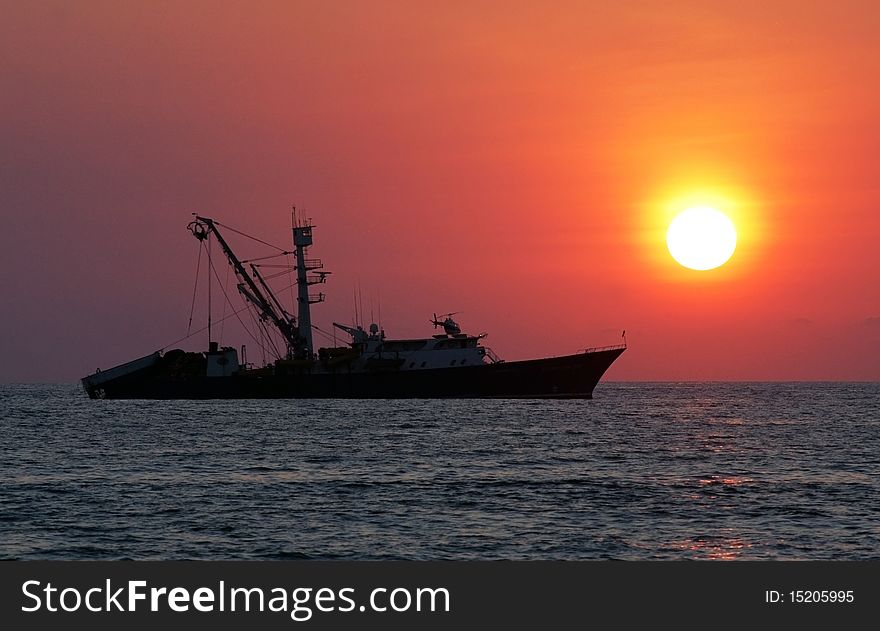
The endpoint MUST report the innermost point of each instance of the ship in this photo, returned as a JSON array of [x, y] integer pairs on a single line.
[[447, 363]]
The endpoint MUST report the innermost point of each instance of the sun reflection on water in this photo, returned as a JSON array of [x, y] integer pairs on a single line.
[[717, 548]]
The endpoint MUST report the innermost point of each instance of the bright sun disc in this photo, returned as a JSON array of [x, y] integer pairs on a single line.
[[701, 238]]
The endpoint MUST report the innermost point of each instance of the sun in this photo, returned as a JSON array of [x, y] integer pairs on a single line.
[[701, 238]]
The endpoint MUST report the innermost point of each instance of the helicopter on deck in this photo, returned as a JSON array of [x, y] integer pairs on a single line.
[[450, 326]]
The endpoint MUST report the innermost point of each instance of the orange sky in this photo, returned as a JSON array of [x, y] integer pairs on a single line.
[[516, 162]]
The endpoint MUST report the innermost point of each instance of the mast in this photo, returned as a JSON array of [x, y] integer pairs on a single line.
[[302, 239], [201, 228]]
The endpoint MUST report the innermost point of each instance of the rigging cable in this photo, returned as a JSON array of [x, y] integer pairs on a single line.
[[189, 332], [247, 330], [263, 258], [250, 237], [276, 274], [290, 267], [211, 265], [270, 338], [202, 330], [192, 307], [325, 334], [262, 347], [265, 333], [225, 302]]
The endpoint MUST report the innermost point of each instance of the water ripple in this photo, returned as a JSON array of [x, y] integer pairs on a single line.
[[644, 471]]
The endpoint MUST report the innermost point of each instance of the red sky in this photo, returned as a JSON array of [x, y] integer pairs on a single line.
[[517, 162]]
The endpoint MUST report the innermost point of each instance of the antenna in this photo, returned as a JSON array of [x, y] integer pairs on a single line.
[[210, 265], [355, 299]]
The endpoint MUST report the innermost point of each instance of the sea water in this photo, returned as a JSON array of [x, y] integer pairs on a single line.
[[643, 471]]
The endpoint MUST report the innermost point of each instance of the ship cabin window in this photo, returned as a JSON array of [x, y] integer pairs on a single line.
[[423, 365], [455, 343], [411, 364], [404, 345], [452, 363]]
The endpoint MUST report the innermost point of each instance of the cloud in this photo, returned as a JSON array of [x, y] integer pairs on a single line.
[[873, 323]]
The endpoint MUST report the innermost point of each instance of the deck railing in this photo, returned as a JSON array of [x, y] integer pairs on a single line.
[[491, 355], [596, 349]]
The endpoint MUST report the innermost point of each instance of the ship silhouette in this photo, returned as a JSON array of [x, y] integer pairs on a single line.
[[446, 364]]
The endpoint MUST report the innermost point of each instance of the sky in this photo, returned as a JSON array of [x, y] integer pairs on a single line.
[[515, 162]]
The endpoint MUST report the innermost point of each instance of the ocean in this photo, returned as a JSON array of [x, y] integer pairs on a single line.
[[643, 471]]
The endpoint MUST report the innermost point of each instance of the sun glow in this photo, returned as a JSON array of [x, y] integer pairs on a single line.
[[701, 238]]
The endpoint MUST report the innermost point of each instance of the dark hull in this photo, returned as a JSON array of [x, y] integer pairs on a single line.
[[571, 376]]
